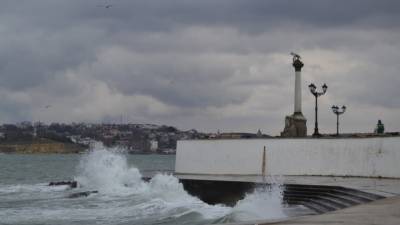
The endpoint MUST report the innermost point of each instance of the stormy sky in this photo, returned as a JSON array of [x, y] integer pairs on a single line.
[[204, 64]]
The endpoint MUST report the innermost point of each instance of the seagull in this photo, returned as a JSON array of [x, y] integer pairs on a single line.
[[107, 6]]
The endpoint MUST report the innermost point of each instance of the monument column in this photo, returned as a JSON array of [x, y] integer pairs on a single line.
[[295, 125], [297, 64]]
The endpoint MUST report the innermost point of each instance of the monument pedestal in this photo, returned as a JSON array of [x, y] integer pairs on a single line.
[[295, 126]]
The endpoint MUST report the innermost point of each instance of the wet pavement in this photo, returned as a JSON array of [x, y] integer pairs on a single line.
[[380, 212]]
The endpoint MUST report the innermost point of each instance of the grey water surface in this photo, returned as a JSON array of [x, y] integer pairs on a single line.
[[121, 197]]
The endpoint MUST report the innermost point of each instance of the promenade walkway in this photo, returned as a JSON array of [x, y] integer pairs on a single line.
[[381, 212]]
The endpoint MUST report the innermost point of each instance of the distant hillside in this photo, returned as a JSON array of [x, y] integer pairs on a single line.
[[40, 146], [135, 138]]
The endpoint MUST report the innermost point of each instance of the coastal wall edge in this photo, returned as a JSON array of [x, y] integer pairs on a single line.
[[362, 157]]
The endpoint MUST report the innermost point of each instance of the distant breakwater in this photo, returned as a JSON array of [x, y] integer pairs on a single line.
[[42, 146]]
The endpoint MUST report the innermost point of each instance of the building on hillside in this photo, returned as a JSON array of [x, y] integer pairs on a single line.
[[153, 145]]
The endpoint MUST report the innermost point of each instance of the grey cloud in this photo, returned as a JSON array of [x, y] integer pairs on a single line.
[[165, 15], [177, 79], [199, 64], [29, 59]]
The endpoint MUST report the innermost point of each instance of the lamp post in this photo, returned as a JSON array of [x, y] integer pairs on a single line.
[[313, 90], [336, 110]]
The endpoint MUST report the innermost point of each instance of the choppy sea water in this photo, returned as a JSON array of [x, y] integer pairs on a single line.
[[122, 197]]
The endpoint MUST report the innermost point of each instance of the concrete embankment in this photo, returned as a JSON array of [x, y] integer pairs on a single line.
[[380, 212], [325, 175], [41, 146], [355, 157]]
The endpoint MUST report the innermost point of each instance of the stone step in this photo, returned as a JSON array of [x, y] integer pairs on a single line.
[[331, 201], [335, 189], [348, 200], [327, 198], [362, 196], [314, 205]]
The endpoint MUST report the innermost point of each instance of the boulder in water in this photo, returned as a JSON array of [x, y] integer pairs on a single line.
[[82, 194], [71, 184]]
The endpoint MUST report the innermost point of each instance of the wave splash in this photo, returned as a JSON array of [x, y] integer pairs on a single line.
[[107, 171], [163, 197], [264, 203]]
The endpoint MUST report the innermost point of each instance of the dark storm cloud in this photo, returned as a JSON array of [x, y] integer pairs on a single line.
[[256, 15], [197, 63]]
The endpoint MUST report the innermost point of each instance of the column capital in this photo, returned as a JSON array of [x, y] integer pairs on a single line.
[[297, 64]]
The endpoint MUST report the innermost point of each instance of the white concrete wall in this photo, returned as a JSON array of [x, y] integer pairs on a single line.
[[367, 157]]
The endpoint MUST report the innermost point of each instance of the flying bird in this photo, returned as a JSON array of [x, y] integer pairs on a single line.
[[107, 6]]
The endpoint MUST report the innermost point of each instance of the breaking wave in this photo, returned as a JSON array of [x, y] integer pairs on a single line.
[[122, 197], [107, 171]]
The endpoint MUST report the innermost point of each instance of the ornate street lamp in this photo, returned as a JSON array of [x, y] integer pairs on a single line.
[[314, 91], [336, 110]]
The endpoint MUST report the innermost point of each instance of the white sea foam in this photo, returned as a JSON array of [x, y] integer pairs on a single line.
[[124, 198], [30, 188], [108, 172], [263, 203]]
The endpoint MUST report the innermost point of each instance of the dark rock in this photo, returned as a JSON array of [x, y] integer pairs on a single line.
[[82, 194], [71, 184]]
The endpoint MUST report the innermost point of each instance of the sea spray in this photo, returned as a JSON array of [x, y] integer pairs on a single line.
[[108, 172], [264, 203], [123, 197], [163, 197]]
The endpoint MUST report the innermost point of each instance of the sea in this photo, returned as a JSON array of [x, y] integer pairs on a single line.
[[121, 195]]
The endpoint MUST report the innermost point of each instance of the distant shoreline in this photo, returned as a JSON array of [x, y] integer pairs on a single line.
[[41, 146], [47, 146]]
